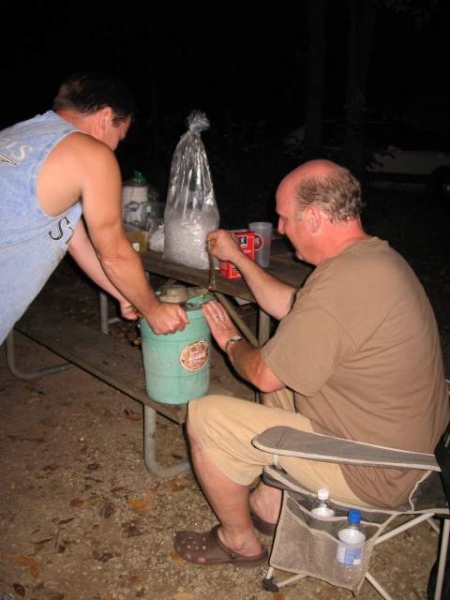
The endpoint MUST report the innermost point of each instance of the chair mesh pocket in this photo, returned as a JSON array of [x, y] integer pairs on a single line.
[[308, 546]]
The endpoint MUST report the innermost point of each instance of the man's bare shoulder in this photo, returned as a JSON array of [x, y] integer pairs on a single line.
[[77, 163], [79, 154], [80, 142]]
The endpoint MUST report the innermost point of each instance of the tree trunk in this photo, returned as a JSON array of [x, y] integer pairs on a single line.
[[315, 77], [362, 20]]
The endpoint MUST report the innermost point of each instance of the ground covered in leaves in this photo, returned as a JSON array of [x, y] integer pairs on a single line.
[[81, 518]]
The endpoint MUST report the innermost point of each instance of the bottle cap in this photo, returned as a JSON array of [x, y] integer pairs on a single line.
[[323, 494], [354, 516]]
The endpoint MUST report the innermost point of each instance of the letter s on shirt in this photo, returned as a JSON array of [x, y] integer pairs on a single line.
[[62, 230]]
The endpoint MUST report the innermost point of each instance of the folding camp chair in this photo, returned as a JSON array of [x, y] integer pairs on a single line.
[[307, 546]]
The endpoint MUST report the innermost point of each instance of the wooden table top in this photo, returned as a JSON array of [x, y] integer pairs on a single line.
[[283, 265]]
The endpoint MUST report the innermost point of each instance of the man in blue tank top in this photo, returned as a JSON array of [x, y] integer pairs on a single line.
[[60, 190]]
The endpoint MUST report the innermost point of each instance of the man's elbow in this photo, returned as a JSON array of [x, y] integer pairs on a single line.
[[267, 388], [267, 382], [111, 256]]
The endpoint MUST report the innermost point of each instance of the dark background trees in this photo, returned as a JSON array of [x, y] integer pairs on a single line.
[[258, 78], [359, 26]]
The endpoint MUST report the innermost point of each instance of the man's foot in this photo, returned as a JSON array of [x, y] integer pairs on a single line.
[[208, 549]]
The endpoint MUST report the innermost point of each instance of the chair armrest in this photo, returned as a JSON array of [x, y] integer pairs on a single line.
[[287, 441]]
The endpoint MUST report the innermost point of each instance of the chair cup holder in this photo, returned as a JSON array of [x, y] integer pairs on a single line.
[[308, 546]]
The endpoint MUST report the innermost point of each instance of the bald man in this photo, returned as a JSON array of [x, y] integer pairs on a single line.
[[356, 355]]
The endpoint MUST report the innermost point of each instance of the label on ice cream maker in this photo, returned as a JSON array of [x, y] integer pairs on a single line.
[[195, 356]]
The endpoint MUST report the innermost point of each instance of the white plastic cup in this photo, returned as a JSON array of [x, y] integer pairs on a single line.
[[263, 238]]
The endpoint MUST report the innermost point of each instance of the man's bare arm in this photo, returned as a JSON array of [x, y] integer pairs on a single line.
[[272, 295], [97, 169], [245, 358]]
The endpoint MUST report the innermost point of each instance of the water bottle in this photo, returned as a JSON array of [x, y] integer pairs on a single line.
[[349, 551], [320, 507]]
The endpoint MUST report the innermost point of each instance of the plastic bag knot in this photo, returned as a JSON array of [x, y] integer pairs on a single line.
[[197, 121]]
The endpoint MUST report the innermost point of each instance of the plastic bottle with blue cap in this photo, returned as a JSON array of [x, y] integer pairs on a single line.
[[352, 538]]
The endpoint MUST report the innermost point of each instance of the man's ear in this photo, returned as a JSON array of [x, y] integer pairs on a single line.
[[105, 115], [314, 219]]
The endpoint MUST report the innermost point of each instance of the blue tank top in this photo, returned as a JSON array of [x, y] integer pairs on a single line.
[[32, 243]]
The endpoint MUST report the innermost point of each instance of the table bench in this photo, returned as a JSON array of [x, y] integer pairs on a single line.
[[118, 364]]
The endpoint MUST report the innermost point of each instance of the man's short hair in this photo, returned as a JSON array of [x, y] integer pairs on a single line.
[[88, 92], [337, 194]]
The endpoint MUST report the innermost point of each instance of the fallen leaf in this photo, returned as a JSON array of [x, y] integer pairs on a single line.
[[34, 571], [151, 493], [108, 509], [177, 456], [50, 468], [39, 545], [131, 415], [131, 529], [176, 487], [102, 556], [34, 399], [24, 561], [139, 504], [16, 438], [76, 502], [94, 466], [65, 521], [19, 559], [63, 546], [19, 589], [176, 557], [93, 479]]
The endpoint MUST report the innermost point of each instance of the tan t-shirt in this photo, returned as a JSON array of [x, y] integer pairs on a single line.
[[361, 349]]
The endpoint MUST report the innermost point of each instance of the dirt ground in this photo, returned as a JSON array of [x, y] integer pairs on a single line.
[[81, 518]]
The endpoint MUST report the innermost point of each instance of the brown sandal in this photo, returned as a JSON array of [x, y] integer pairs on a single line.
[[260, 524], [207, 549]]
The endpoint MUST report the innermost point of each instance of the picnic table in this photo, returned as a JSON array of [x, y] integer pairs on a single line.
[[115, 362]]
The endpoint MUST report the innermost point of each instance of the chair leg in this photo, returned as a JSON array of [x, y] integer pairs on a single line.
[[268, 582], [380, 589], [400, 528], [270, 585], [443, 549]]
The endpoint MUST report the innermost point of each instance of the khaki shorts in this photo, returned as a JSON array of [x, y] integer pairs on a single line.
[[225, 427]]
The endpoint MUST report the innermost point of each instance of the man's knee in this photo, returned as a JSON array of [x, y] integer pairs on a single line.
[[203, 411]]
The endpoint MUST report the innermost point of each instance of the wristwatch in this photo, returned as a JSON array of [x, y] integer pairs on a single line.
[[232, 340]]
